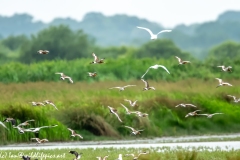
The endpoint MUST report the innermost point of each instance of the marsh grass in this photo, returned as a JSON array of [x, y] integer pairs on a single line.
[[160, 153], [83, 107]]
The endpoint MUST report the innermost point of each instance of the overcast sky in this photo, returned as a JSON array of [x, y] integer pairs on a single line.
[[166, 12]]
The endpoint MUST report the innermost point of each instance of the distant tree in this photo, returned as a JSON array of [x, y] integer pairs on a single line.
[[62, 43], [161, 48], [14, 42]]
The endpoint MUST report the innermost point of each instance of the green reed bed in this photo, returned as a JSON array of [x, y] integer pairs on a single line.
[[83, 107], [163, 153]]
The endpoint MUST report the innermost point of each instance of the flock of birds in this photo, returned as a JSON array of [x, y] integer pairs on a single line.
[[133, 131]]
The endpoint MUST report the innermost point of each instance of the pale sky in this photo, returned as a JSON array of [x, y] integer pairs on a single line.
[[165, 12]]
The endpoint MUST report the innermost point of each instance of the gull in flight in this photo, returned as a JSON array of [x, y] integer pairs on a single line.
[[122, 88], [1, 123], [194, 113], [147, 86], [221, 83], [104, 158], [156, 66], [22, 130], [51, 103], [180, 61], [96, 59], [134, 131], [234, 98], [140, 114], [132, 103], [77, 155], [63, 77], [114, 111], [74, 133], [25, 123], [226, 69], [37, 103], [39, 128], [39, 140], [92, 74], [209, 115], [127, 110], [43, 51], [136, 157], [185, 105], [153, 36]]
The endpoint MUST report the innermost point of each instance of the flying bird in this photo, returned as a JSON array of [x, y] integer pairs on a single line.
[[74, 133], [37, 129], [185, 105], [140, 114], [127, 110], [132, 103], [96, 59], [153, 36], [221, 83], [37, 103], [180, 61], [39, 141], [92, 74], [51, 103], [134, 131], [11, 120], [77, 155], [26, 123], [122, 88], [209, 115], [114, 111], [147, 86], [234, 99], [156, 66], [226, 69], [194, 113], [63, 77], [43, 51]]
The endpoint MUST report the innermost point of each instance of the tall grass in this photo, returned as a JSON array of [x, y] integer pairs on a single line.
[[83, 107]]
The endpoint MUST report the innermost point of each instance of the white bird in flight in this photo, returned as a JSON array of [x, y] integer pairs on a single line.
[[132, 103], [185, 105], [221, 83], [74, 133], [153, 36], [147, 87], [63, 77], [156, 66], [209, 115], [114, 111], [180, 61], [122, 88], [226, 69]]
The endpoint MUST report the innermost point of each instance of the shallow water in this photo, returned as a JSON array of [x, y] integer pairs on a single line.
[[171, 142]]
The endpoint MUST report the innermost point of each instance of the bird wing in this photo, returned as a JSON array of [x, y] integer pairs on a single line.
[[142, 153], [105, 157], [164, 31], [219, 80], [59, 73], [234, 97], [179, 59], [128, 86], [37, 139], [53, 105], [157, 65], [178, 105], [3, 125], [149, 31], [95, 57], [128, 100], [47, 126], [79, 136], [145, 73], [203, 114], [217, 113], [227, 83], [115, 87], [69, 78], [125, 107], [117, 116], [130, 128], [73, 132], [146, 83], [191, 105]]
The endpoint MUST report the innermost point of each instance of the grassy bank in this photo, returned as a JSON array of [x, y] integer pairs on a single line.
[[83, 107], [163, 153]]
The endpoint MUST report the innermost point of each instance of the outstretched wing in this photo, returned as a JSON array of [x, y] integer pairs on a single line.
[[157, 65], [219, 80], [125, 107], [95, 57], [69, 78], [117, 116], [164, 31], [116, 87], [130, 128], [149, 31], [191, 105], [1, 123], [128, 86], [145, 73], [73, 132], [146, 83], [179, 59]]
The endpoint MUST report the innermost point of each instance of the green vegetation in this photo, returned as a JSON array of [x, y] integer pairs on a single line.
[[83, 107], [159, 153]]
